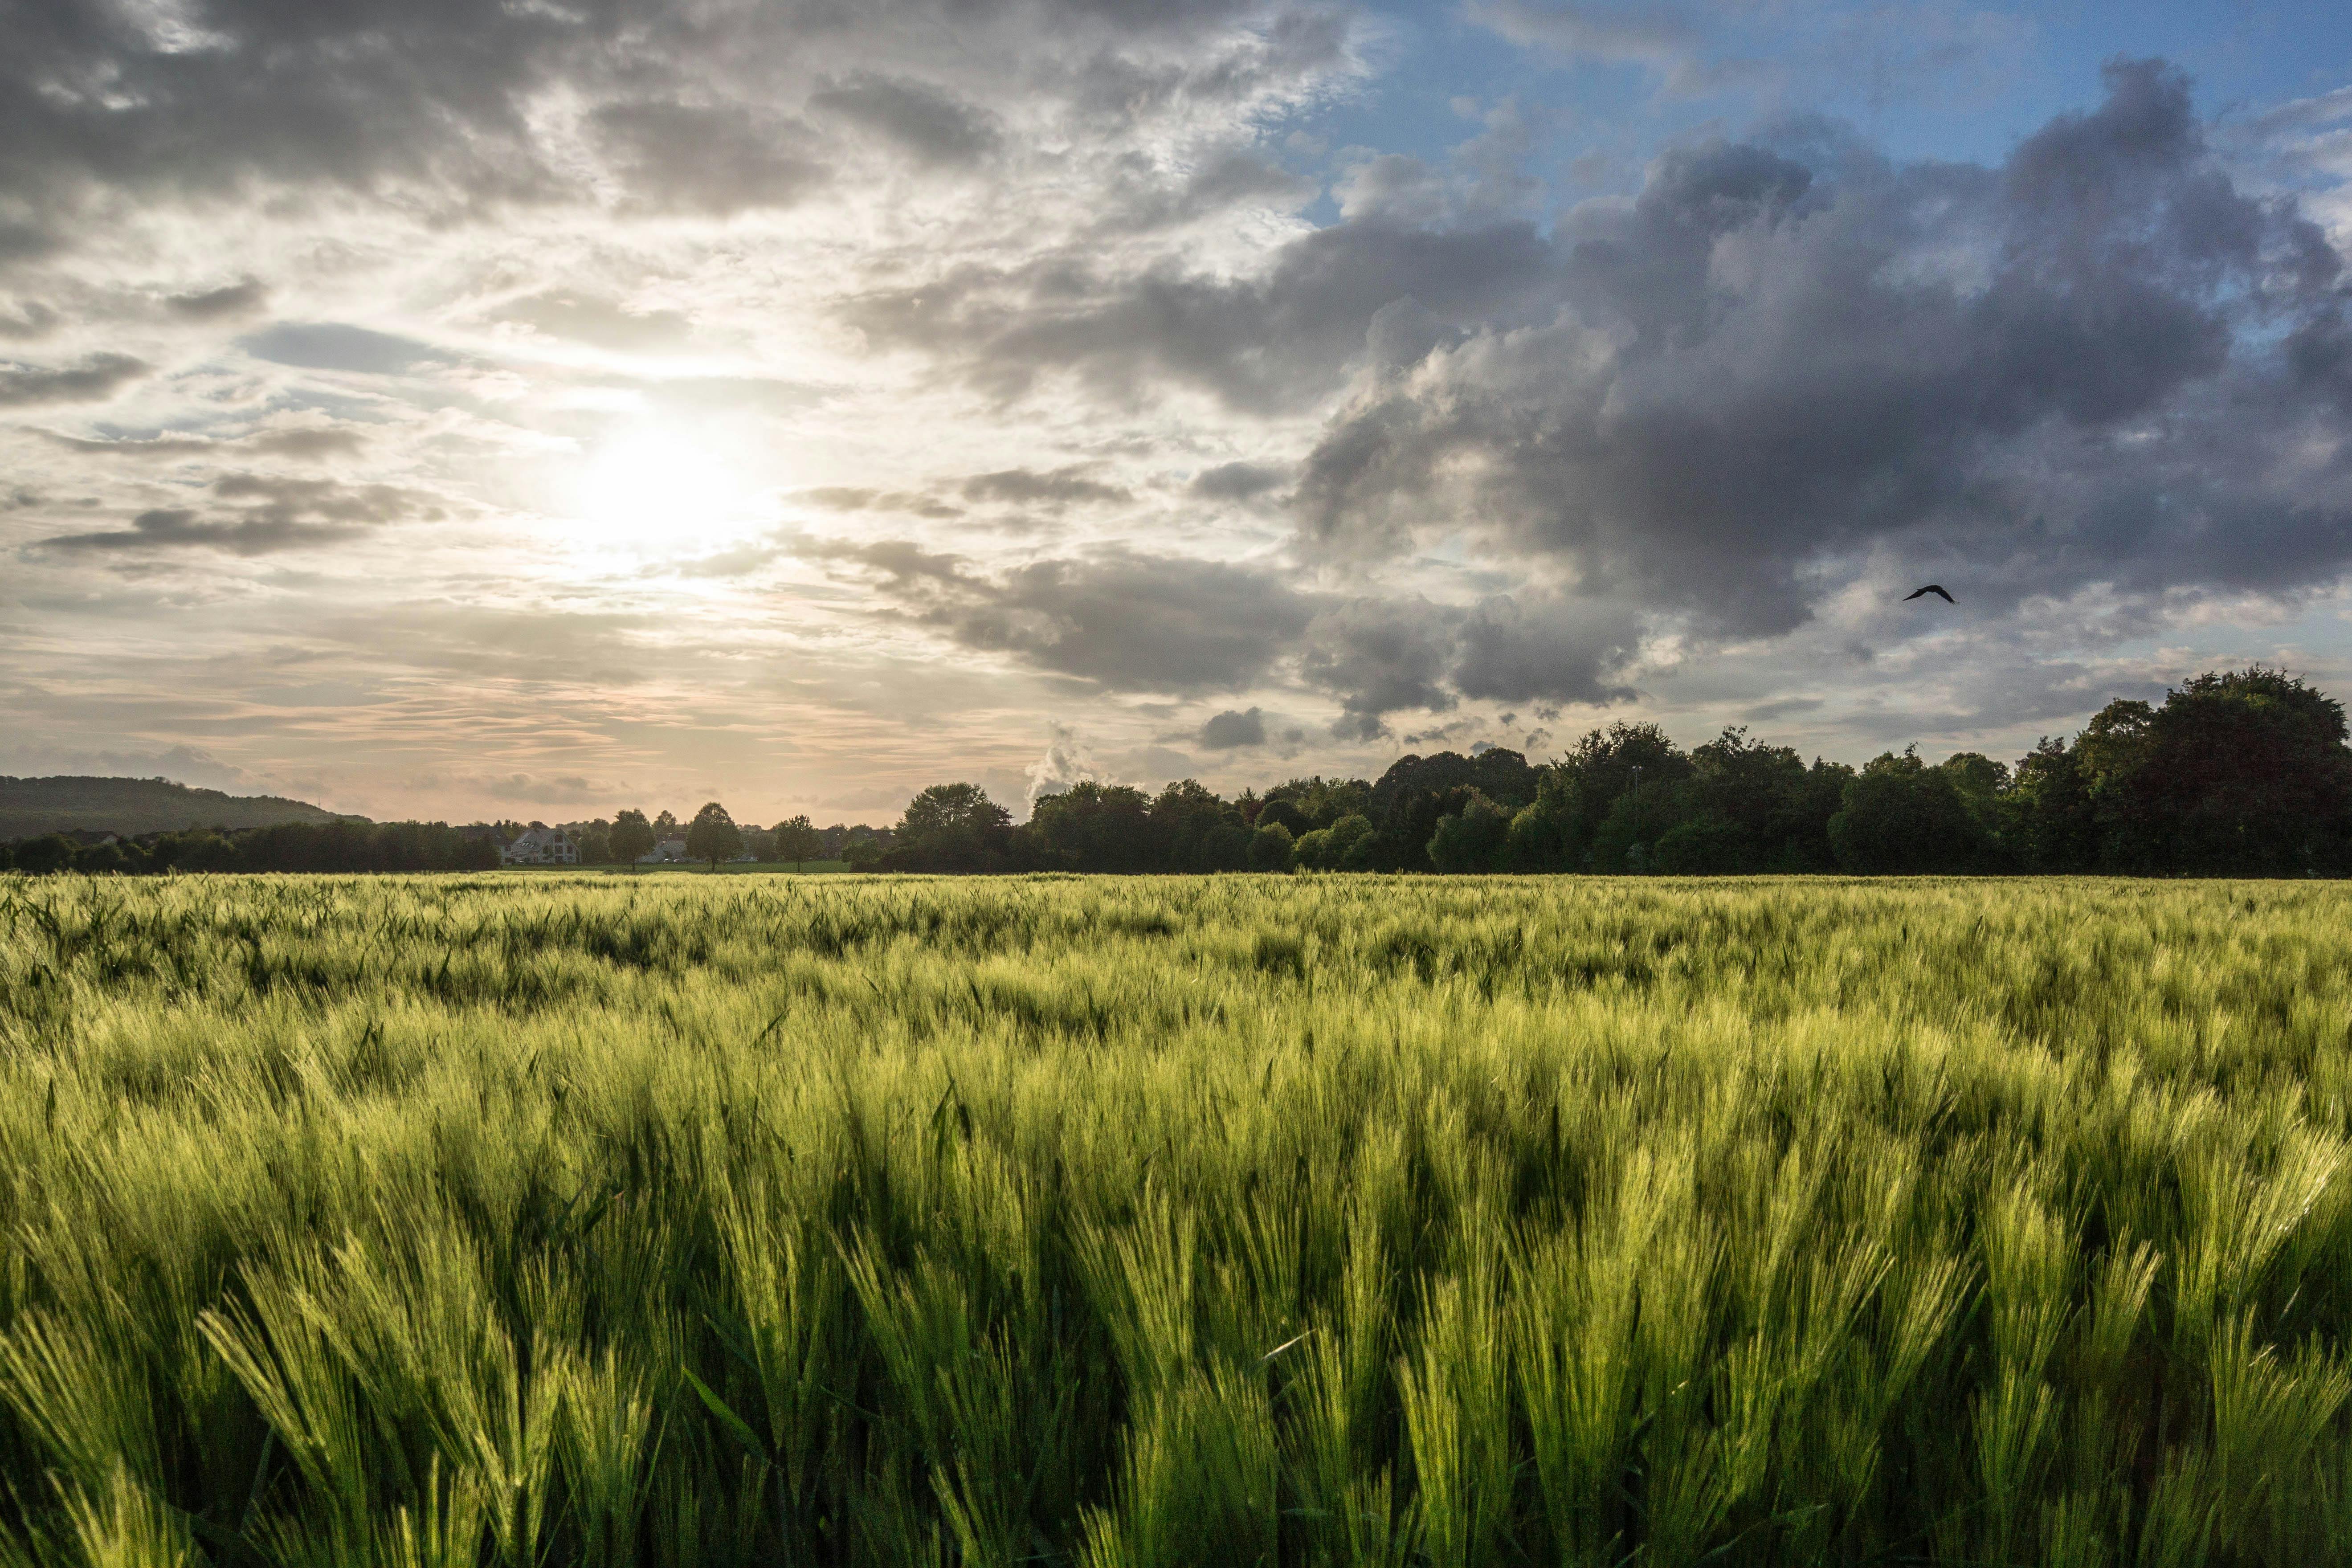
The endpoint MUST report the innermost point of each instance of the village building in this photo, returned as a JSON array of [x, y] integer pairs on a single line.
[[540, 846]]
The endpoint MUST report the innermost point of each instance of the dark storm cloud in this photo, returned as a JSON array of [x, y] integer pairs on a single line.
[[1135, 623], [344, 94], [1124, 621], [1525, 649], [265, 515], [1378, 658], [439, 99], [89, 380], [1233, 729], [2063, 371], [925, 121]]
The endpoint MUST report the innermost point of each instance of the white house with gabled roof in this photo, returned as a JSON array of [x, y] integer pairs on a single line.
[[540, 846]]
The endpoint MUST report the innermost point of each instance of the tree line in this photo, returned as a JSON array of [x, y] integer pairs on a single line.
[[2240, 774], [347, 846]]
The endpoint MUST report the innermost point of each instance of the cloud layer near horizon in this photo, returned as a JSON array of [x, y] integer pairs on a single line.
[[445, 410]]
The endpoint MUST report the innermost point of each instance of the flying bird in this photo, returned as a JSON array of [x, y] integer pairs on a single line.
[[1935, 588]]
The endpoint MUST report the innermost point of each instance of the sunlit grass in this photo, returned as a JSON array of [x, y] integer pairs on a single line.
[[590, 1219]]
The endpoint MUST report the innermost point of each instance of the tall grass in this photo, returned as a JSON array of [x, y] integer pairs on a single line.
[[1126, 1223]]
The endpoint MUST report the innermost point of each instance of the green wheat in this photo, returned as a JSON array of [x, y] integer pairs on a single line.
[[1235, 1220]]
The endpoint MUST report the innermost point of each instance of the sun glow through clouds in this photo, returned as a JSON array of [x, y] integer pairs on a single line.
[[654, 490]]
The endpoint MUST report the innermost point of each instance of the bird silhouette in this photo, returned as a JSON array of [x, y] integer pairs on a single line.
[[1935, 588]]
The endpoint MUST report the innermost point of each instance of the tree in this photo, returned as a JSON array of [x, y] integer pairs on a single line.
[[1192, 830], [1093, 826], [1326, 849], [1279, 809], [2243, 774], [1604, 763], [1475, 838], [631, 838], [1322, 801], [713, 836], [1270, 849], [1902, 815], [798, 841], [1544, 837], [950, 806], [2049, 824], [49, 852], [955, 827], [665, 829]]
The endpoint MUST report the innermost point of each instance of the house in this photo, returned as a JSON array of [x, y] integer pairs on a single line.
[[668, 852], [540, 846]]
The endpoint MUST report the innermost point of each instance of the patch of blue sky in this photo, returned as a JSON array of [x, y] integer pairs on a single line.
[[1602, 88]]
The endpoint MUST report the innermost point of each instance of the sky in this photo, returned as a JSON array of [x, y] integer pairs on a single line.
[[451, 409]]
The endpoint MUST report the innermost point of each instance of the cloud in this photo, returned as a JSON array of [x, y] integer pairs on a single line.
[[2102, 362], [95, 377], [1531, 647], [712, 160], [269, 515], [1232, 730], [216, 304], [1645, 34], [1380, 658], [1235, 481], [1067, 762], [1260, 343], [316, 442], [1057, 489], [333, 345], [919, 118], [25, 319], [1120, 620], [606, 323], [179, 528]]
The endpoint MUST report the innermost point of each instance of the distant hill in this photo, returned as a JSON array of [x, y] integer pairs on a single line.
[[29, 807]]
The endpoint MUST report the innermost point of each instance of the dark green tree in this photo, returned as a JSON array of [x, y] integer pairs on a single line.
[[2049, 824], [1269, 848], [632, 837], [1547, 835], [1093, 826], [1900, 815], [1604, 761], [1475, 838], [2242, 774], [713, 836], [797, 840], [950, 806]]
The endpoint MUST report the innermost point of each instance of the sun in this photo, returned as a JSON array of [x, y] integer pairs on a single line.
[[655, 490]]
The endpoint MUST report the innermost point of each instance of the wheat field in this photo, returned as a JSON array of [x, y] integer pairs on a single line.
[[1164, 1221]]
